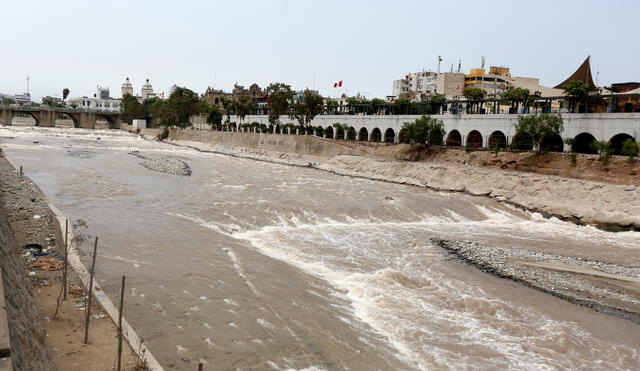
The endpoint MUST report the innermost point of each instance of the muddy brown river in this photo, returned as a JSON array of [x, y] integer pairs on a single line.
[[248, 265]]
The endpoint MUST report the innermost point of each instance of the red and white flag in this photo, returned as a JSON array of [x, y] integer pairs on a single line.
[[338, 84]]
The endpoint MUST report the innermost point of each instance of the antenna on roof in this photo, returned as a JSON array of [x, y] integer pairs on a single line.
[[459, 65], [482, 63], [439, 60], [597, 74]]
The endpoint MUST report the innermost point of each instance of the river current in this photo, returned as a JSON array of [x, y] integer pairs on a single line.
[[250, 265]]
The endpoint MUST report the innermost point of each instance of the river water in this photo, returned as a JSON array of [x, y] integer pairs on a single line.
[[251, 265]]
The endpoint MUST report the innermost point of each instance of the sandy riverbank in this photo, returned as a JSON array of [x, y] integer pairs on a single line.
[[31, 222]]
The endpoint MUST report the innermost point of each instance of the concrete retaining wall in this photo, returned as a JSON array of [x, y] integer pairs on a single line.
[[300, 144]]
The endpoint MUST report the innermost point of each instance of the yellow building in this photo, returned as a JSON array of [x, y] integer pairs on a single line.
[[495, 82]]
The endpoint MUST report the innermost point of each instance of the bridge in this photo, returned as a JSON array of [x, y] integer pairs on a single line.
[[479, 131], [47, 116]]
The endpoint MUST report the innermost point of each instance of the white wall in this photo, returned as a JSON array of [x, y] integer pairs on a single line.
[[603, 126]]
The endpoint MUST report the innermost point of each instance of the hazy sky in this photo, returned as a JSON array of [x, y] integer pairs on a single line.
[[368, 43]]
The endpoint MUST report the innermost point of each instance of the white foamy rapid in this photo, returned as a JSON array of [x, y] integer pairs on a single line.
[[397, 283]]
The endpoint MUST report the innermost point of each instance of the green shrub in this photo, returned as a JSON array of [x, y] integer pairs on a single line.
[[424, 130], [630, 148], [165, 133], [573, 158], [604, 150]]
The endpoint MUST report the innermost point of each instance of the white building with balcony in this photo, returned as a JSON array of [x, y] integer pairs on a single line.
[[101, 101]]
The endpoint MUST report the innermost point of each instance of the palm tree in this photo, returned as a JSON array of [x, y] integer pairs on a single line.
[[65, 93]]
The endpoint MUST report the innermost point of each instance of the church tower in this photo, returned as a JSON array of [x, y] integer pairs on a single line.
[[127, 88]]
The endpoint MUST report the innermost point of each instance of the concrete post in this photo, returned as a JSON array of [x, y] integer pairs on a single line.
[[357, 135], [335, 134], [397, 137], [46, 118], [6, 116], [87, 120], [369, 136]]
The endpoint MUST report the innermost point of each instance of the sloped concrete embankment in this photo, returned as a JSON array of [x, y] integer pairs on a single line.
[[300, 144], [578, 200], [26, 340]]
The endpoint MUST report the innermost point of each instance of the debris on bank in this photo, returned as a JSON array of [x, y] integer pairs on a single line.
[[609, 288]]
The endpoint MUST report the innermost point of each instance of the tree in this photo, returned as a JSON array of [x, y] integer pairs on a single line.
[[214, 117], [307, 107], [436, 102], [8, 101], [65, 93], [228, 107], [331, 106], [475, 95], [577, 91], [424, 130], [179, 107], [516, 96], [131, 109], [376, 103], [539, 126], [403, 105], [242, 106], [280, 96]]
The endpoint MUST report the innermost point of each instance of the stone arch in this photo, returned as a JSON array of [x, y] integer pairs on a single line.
[[351, 133], [552, 142], [376, 135], [401, 135], [474, 139], [389, 135], [454, 139], [617, 141], [68, 116], [363, 134], [497, 139], [328, 132], [25, 114], [339, 132], [111, 121], [583, 143], [522, 141]]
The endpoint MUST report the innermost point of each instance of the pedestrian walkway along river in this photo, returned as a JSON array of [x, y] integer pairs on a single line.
[[253, 265]]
